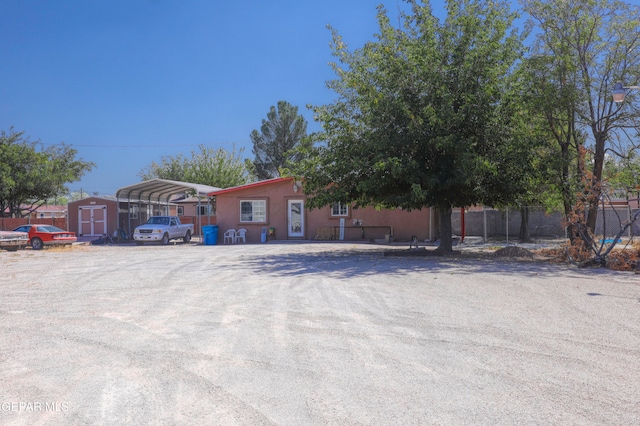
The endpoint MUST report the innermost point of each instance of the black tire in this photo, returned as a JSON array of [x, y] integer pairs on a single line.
[[187, 237], [12, 248], [36, 243], [165, 239]]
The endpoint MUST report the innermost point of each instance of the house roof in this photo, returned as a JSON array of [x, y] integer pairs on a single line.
[[161, 190], [47, 208], [98, 197], [40, 209], [249, 185]]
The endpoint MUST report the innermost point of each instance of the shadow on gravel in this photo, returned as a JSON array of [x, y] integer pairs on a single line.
[[353, 262], [611, 295]]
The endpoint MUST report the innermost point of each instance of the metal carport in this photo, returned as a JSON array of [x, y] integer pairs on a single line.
[[161, 191]]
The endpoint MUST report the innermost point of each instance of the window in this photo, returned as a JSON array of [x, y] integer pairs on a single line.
[[180, 210], [253, 211], [339, 209], [212, 203], [133, 211], [202, 210]]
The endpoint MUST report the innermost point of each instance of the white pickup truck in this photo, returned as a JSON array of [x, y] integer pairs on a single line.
[[162, 229], [12, 240]]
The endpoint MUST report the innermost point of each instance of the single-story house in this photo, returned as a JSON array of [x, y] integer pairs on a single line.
[[277, 207], [47, 211], [193, 206], [44, 211]]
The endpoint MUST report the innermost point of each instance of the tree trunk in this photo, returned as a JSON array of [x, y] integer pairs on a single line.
[[568, 195], [446, 243], [596, 187], [524, 237]]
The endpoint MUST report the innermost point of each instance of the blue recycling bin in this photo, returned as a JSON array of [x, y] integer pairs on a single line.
[[210, 233]]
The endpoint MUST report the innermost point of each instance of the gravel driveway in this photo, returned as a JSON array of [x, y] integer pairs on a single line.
[[303, 334]]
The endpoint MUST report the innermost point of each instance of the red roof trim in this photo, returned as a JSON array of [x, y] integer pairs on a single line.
[[250, 185]]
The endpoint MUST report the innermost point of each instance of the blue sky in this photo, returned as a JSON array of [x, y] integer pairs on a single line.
[[125, 82]]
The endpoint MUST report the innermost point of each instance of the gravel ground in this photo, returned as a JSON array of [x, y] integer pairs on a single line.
[[309, 334]]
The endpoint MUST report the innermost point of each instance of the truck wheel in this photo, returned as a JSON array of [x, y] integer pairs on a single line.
[[36, 244], [187, 237], [165, 239]]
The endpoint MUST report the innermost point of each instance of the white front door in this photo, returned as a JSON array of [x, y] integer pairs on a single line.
[[296, 219]]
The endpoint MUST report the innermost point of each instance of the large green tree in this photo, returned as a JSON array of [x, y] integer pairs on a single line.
[[208, 166], [546, 164], [622, 175], [29, 177], [424, 115], [533, 158], [582, 48], [553, 96], [281, 141]]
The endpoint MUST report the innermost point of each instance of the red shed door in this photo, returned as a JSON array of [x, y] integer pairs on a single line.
[[92, 220]]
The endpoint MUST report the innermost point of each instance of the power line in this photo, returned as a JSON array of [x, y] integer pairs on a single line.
[[122, 146], [137, 146]]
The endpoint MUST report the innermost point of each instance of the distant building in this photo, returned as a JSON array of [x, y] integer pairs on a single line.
[[45, 212]]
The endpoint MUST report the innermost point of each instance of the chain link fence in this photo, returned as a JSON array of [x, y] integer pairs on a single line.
[[612, 219], [504, 224]]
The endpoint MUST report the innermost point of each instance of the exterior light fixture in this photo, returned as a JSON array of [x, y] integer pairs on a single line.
[[620, 91]]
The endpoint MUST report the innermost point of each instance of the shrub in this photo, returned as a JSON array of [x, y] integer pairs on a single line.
[[625, 259]]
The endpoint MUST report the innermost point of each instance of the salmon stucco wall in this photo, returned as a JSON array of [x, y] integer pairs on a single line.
[[276, 196], [364, 223], [375, 224]]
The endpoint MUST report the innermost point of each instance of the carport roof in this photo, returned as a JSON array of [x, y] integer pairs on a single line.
[[162, 190]]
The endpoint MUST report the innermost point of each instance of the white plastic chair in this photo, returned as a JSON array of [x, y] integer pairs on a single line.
[[230, 236], [241, 235]]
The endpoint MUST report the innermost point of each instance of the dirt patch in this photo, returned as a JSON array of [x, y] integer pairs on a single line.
[[418, 252], [514, 252]]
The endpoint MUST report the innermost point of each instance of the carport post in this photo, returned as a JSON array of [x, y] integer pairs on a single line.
[[199, 216], [129, 215]]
